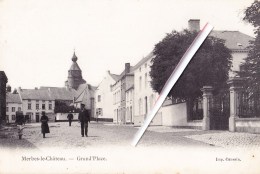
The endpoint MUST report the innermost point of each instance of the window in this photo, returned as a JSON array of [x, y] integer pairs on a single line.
[[19, 108], [29, 106], [140, 106], [99, 98], [145, 65], [37, 101], [151, 101], [13, 109], [145, 80], [37, 106], [140, 83], [29, 100], [50, 106], [13, 117], [43, 106], [99, 112], [140, 69], [7, 109]]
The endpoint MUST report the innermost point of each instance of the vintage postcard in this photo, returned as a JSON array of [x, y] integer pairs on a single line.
[[78, 79]]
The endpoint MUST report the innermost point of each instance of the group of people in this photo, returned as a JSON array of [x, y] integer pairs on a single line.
[[84, 119]]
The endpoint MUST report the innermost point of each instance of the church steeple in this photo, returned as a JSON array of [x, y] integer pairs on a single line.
[[74, 74], [74, 58]]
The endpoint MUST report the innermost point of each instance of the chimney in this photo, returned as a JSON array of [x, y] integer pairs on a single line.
[[108, 72], [127, 68], [194, 25], [19, 89]]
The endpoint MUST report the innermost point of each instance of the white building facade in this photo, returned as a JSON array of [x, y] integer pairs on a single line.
[[105, 98], [130, 105], [144, 96]]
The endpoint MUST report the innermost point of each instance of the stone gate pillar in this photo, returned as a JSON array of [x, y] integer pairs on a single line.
[[207, 104], [235, 88]]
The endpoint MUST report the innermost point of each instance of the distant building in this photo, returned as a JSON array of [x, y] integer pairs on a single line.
[[3, 81], [75, 92], [85, 94], [34, 101], [104, 97], [13, 104], [125, 80]]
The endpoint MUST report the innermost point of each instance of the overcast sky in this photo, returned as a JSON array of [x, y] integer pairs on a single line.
[[37, 38]]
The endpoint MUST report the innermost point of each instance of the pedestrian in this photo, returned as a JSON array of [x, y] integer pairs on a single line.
[[70, 118], [19, 120], [84, 118], [44, 126]]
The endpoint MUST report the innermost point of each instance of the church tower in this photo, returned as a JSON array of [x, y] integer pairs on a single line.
[[74, 75]]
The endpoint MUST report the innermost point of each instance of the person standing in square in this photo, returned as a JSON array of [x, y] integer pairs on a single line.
[[70, 118], [84, 118], [44, 125]]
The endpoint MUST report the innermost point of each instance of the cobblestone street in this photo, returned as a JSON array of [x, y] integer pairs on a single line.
[[108, 134], [65, 151], [100, 134]]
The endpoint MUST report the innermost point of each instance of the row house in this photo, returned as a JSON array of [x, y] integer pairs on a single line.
[[13, 104], [144, 96], [124, 82], [104, 96], [34, 101], [130, 104], [133, 96]]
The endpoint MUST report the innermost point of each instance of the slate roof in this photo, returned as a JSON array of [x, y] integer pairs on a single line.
[[55, 93], [123, 73], [13, 98], [36, 94], [143, 60], [62, 93], [235, 40], [115, 76], [75, 66]]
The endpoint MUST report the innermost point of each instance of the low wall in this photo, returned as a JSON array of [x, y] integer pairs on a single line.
[[174, 115], [63, 116], [196, 124], [157, 120], [251, 125]]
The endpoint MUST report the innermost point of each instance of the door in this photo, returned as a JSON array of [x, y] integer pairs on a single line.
[[37, 117]]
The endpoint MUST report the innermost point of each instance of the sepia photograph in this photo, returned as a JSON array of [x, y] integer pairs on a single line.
[[134, 86]]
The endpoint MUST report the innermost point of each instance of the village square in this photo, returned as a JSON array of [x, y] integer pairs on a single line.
[[215, 103]]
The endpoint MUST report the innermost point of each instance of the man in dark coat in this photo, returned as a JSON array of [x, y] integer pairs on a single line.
[[84, 118], [44, 126], [70, 118]]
